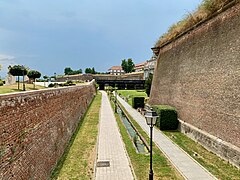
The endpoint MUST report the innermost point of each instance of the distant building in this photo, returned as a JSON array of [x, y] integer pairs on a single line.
[[10, 79], [139, 67], [116, 70], [150, 66]]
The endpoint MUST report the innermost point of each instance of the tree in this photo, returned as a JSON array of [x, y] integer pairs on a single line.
[[34, 75], [18, 70], [79, 71], [93, 71], [148, 84], [45, 77], [68, 71], [88, 70], [127, 65]]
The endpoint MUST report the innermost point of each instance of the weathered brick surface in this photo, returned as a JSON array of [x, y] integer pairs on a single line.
[[199, 74], [35, 128]]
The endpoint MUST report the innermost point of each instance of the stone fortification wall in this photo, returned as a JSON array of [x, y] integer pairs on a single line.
[[199, 74], [35, 128], [77, 77], [89, 77]]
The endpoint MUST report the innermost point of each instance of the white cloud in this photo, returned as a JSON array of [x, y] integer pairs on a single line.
[[6, 58]]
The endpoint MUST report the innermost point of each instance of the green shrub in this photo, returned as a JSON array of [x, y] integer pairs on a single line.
[[138, 102], [69, 83], [51, 84], [1, 83], [167, 119]]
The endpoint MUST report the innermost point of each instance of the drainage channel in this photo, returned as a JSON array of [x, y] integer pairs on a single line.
[[137, 141]]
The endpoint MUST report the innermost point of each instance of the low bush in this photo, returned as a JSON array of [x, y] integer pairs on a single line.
[[138, 102], [1, 83], [52, 84], [167, 119], [69, 83]]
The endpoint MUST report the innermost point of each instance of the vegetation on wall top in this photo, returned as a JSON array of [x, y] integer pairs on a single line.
[[204, 11]]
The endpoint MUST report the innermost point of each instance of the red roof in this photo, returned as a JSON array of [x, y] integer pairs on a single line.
[[140, 64], [116, 68]]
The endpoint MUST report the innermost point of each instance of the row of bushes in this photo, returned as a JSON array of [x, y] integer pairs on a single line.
[[167, 119]]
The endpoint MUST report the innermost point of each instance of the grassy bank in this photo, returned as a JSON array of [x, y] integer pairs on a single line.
[[14, 88], [131, 93], [140, 162], [78, 160], [218, 167]]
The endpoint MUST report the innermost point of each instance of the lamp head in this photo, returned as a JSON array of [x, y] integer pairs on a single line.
[[151, 117]]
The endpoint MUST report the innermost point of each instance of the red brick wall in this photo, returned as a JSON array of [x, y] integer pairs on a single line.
[[199, 74], [35, 128]]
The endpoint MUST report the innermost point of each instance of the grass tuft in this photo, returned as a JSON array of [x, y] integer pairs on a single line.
[[203, 12]]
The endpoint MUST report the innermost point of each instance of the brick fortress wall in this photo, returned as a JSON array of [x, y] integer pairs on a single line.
[[199, 74], [35, 128]]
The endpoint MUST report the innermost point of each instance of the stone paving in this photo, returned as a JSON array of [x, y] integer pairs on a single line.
[[187, 166], [110, 147]]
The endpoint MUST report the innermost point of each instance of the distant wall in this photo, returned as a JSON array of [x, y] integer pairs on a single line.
[[89, 77], [35, 128], [199, 74], [77, 77]]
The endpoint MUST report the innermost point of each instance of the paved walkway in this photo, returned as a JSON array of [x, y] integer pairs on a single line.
[[189, 168], [111, 147]]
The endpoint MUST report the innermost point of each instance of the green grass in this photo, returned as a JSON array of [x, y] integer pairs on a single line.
[[218, 167], [161, 166], [14, 88], [131, 93], [78, 159], [204, 11]]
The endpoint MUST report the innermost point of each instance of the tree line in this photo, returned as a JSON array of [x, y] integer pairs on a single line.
[[70, 71]]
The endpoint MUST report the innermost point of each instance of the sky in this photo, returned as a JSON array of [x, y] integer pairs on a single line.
[[50, 35]]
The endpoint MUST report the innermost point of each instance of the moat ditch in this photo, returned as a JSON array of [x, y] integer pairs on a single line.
[[137, 140]]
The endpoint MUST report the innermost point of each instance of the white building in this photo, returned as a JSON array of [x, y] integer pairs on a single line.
[[150, 66], [140, 67], [116, 70]]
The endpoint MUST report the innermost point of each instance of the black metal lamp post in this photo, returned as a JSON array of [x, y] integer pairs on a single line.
[[151, 117], [23, 70]]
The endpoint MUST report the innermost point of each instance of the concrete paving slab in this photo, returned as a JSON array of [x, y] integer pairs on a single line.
[[111, 147]]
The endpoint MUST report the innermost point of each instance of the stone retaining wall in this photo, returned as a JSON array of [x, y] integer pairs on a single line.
[[214, 144]]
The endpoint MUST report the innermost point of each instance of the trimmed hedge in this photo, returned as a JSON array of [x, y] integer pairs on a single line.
[[138, 102], [167, 119]]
